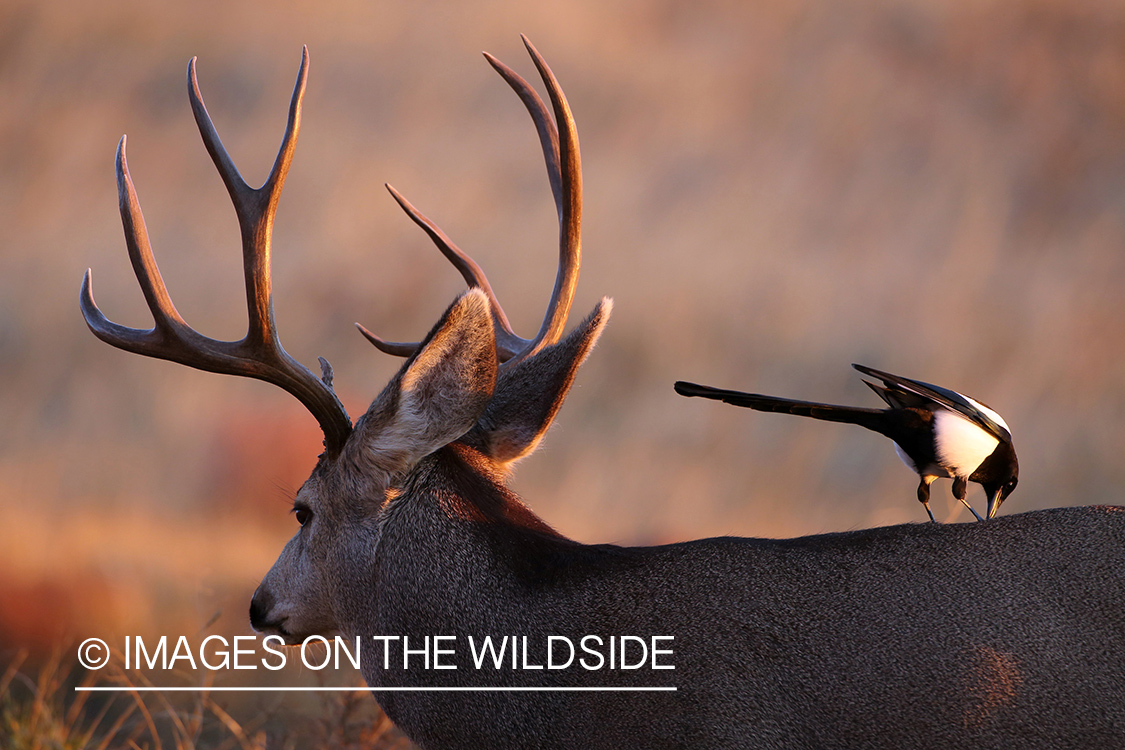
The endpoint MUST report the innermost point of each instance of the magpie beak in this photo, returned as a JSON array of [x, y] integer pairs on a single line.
[[937, 432]]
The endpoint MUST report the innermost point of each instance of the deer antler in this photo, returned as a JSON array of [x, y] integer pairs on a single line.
[[259, 354], [564, 170]]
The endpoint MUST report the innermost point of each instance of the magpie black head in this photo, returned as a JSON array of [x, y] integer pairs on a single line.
[[998, 475]]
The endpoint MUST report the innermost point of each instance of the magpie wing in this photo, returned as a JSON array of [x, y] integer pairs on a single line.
[[897, 398], [952, 400]]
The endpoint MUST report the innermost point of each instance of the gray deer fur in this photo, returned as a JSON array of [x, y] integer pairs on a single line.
[[1009, 633]]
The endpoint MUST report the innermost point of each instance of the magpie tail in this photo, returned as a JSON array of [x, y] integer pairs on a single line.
[[872, 419]]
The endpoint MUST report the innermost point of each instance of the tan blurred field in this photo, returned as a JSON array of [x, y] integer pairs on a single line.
[[772, 192]]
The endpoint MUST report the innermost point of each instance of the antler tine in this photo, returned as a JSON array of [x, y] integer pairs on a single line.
[[164, 313], [394, 348], [259, 354], [569, 208], [507, 342], [255, 207], [544, 125], [566, 187]]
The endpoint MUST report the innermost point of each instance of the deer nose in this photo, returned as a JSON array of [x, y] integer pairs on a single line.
[[260, 605]]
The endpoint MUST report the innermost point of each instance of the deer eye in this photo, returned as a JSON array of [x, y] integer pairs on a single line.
[[304, 515]]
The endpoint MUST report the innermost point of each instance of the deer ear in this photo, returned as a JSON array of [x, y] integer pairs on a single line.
[[529, 395], [439, 393]]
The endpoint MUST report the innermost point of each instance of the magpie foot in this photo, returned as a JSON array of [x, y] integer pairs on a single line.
[[970, 509]]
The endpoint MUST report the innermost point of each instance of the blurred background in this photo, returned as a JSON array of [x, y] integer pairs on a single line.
[[772, 192]]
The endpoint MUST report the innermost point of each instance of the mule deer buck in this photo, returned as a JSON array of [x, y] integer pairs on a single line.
[[1007, 633]]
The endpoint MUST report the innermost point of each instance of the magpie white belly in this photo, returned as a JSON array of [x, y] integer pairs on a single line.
[[960, 446]]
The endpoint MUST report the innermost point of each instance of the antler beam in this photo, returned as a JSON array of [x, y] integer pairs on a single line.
[[259, 354]]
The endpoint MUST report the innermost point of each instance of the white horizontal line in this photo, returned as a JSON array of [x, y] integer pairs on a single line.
[[227, 689]]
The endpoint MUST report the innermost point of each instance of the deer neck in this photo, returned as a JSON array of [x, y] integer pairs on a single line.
[[453, 528]]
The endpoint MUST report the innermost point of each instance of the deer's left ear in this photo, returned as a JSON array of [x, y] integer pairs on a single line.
[[439, 393], [529, 395]]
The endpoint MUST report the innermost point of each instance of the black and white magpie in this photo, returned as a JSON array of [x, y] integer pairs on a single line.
[[937, 432]]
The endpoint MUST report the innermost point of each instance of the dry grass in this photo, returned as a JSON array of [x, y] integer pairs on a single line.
[[44, 711]]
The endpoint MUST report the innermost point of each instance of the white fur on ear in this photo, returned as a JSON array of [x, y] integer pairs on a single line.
[[466, 325], [441, 391]]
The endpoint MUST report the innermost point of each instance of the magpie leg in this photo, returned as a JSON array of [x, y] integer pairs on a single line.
[[924, 496], [970, 508], [960, 489], [930, 513]]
